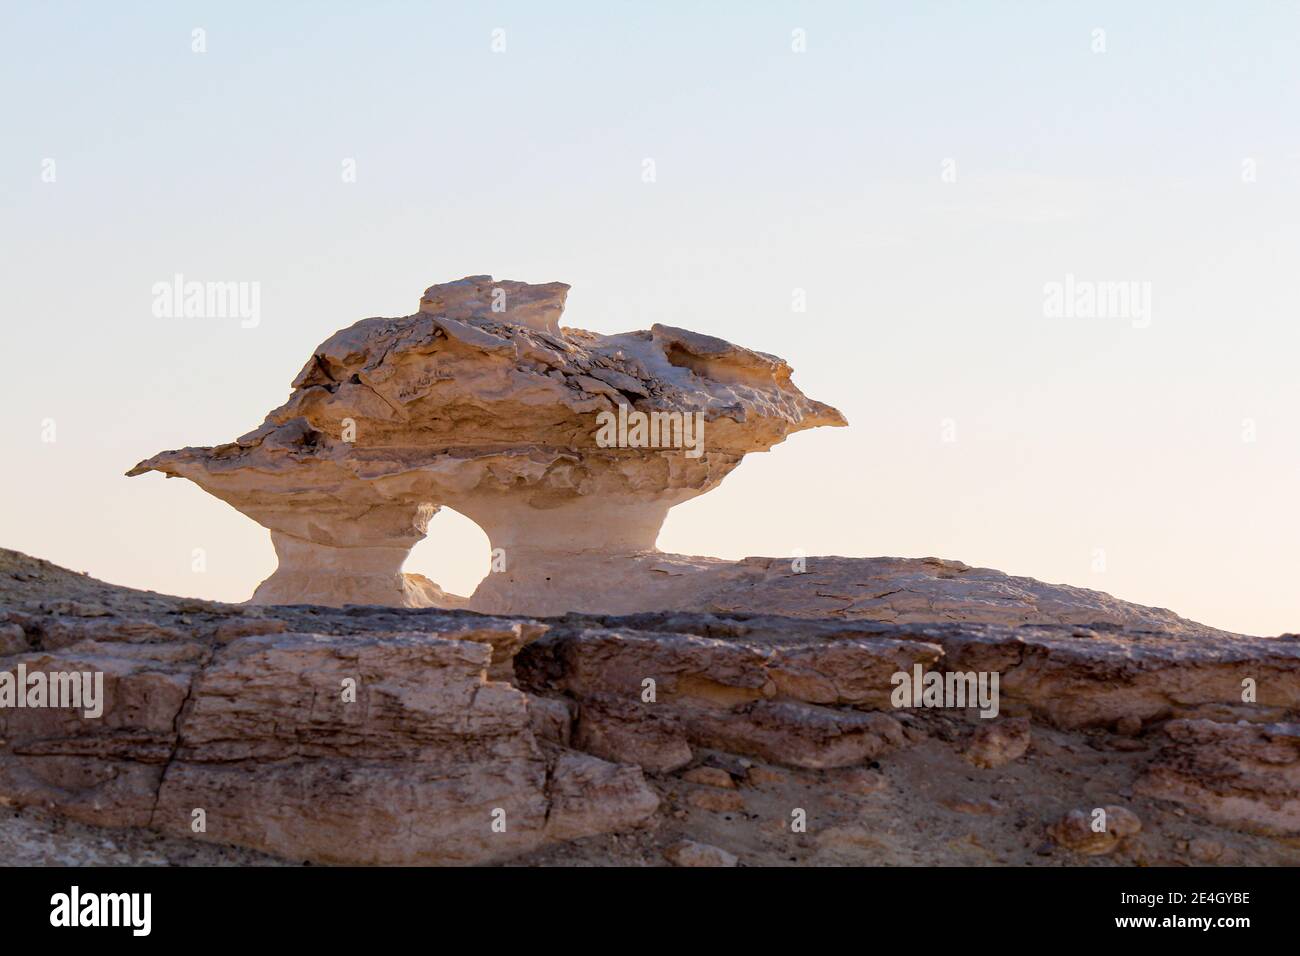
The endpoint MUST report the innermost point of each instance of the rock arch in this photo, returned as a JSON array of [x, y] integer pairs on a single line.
[[482, 402]]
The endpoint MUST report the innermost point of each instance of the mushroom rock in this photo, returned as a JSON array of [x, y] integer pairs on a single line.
[[567, 447], [338, 540]]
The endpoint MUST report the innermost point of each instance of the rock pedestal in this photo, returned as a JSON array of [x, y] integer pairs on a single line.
[[567, 447], [311, 573]]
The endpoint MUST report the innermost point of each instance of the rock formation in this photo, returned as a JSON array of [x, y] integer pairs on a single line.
[[457, 720], [483, 403], [1243, 774], [402, 744], [567, 447], [616, 704]]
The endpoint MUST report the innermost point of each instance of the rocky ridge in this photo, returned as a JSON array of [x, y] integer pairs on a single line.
[[548, 726]]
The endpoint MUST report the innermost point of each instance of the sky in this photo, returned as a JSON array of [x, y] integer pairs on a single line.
[[887, 195]]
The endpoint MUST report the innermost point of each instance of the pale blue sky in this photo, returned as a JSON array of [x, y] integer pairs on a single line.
[[776, 171]]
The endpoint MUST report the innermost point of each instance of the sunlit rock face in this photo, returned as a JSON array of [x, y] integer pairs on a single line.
[[382, 735], [567, 447]]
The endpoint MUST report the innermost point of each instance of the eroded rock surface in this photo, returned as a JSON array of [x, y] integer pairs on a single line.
[[606, 738], [896, 590], [480, 401], [258, 737], [1239, 774], [360, 740], [1097, 832], [996, 744]]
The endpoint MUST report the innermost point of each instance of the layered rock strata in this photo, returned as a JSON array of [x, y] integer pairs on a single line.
[[1242, 774], [661, 727], [391, 748]]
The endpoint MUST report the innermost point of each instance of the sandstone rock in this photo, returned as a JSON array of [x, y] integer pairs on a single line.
[[619, 662], [1246, 776], [857, 780], [262, 736], [460, 715], [995, 744], [733, 765], [974, 807], [762, 775], [717, 801], [1067, 676], [1126, 745], [710, 692], [248, 627], [710, 777], [835, 840], [551, 719], [77, 608], [848, 671], [1072, 677], [590, 796], [794, 734], [1075, 830], [629, 732], [1202, 850], [13, 639], [482, 402], [63, 631], [1129, 725], [923, 591], [690, 853], [103, 770]]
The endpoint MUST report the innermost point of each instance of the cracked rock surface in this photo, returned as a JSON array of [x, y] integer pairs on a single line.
[[749, 722]]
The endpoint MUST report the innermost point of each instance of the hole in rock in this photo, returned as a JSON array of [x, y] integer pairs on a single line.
[[455, 555]]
